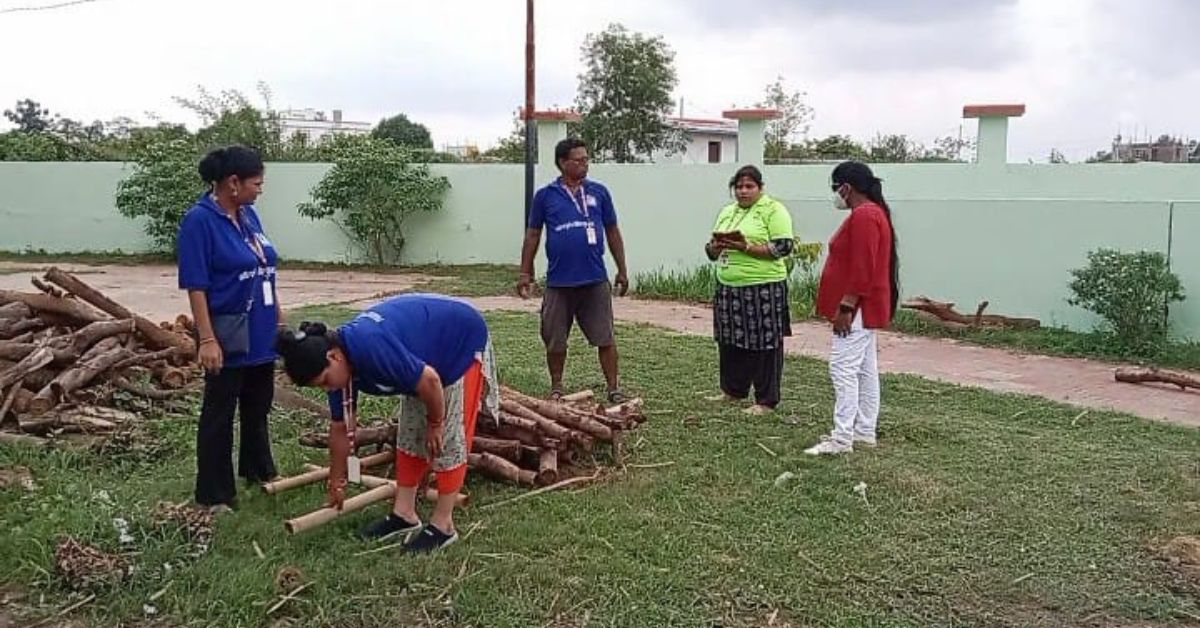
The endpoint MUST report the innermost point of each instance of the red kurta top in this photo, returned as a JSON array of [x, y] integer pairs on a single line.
[[860, 263]]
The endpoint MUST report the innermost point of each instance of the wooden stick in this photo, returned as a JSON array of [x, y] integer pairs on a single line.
[[946, 314], [583, 395], [429, 494], [8, 401], [35, 361], [563, 414], [321, 474], [287, 598], [508, 449], [97, 360], [66, 610], [48, 289], [155, 335], [145, 358], [500, 468], [352, 504], [1140, 376], [545, 489], [45, 303], [142, 391], [8, 438]]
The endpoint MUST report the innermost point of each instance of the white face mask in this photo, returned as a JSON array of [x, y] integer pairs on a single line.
[[839, 203]]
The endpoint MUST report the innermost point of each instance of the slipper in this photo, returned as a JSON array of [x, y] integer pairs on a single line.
[[556, 394], [616, 397]]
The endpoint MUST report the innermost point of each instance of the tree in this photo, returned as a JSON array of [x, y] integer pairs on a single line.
[[373, 187], [511, 149], [29, 116], [951, 148], [834, 147], [794, 118], [164, 184], [892, 148], [625, 95], [1056, 157], [403, 132], [230, 118]]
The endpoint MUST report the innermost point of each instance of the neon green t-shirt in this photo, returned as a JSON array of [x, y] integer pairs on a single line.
[[762, 222]]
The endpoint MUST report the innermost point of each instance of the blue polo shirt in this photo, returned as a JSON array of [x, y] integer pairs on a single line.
[[215, 256], [572, 261], [390, 344]]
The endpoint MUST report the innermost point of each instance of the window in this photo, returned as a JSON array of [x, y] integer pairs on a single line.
[[714, 152]]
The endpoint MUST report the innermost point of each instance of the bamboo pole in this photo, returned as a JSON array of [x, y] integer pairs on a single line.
[[352, 504], [321, 474]]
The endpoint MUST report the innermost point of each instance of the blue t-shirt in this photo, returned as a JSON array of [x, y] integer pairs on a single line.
[[216, 255], [572, 261], [390, 344]]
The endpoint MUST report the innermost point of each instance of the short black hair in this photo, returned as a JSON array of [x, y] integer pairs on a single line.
[[305, 351], [746, 171], [563, 149], [236, 160]]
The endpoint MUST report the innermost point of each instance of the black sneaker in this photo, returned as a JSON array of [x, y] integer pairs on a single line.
[[430, 538], [388, 527]]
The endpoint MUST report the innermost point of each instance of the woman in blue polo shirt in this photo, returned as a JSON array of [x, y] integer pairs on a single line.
[[436, 352], [227, 267]]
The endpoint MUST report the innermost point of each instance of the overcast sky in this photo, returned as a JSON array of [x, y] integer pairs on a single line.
[[1085, 68]]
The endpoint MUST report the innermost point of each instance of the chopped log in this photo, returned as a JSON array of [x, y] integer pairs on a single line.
[[583, 395], [352, 504], [363, 436], [154, 394], [31, 363], [514, 412], [945, 313], [170, 377], [548, 468], [15, 310], [99, 358], [29, 336], [501, 469], [520, 423], [21, 399], [48, 289], [38, 380], [17, 351], [1141, 376], [508, 449], [563, 414], [157, 337], [8, 401], [87, 336], [527, 438], [10, 328], [142, 359], [321, 474], [39, 302], [66, 422], [8, 438]]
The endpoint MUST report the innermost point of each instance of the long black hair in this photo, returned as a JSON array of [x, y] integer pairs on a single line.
[[236, 160], [305, 351], [859, 176]]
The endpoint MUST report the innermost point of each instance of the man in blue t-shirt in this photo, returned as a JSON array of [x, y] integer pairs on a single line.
[[578, 216]]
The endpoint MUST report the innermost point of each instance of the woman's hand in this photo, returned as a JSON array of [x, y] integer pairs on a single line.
[[843, 322], [434, 439], [210, 355], [339, 452]]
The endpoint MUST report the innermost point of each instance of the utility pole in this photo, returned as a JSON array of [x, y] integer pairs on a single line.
[[529, 109]]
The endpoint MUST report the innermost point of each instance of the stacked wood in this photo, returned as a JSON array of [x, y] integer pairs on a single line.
[[533, 442], [943, 314], [68, 346]]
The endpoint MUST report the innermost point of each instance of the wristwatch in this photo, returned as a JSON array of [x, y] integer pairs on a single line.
[[849, 309]]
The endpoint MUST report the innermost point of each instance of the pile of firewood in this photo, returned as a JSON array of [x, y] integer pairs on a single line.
[[534, 442], [66, 349]]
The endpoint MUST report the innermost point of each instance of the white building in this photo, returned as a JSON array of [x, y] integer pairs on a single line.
[[709, 142], [316, 126]]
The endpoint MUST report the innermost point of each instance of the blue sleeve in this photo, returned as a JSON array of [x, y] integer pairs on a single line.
[[335, 405], [537, 210], [608, 213], [401, 367], [194, 253]]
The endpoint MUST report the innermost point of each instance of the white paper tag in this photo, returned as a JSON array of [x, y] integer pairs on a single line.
[[591, 234], [268, 293], [354, 469]]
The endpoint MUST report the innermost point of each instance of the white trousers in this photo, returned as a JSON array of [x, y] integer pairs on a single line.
[[854, 368]]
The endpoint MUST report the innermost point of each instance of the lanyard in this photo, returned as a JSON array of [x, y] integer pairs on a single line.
[[348, 409], [581, 208], [248, 236]]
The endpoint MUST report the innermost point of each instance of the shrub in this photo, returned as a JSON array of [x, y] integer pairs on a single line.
[[163, 186], [1132, 293]]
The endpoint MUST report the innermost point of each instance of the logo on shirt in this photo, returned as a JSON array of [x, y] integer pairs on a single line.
[[577, 224], [374, 316], [591, 200]]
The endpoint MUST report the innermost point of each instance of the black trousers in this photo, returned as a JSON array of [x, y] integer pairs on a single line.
[[743, 368], [252, 389]]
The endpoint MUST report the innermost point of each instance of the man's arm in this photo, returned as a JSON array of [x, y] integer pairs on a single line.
[[616, 244], [533, 238]]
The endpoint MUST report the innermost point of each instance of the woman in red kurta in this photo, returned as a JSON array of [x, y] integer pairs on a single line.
[[859, 291]]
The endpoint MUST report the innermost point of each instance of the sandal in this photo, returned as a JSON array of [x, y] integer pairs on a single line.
[[556, 395], [616, 397]]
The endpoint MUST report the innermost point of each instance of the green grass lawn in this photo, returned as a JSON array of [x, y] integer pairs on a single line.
[[980, 509]]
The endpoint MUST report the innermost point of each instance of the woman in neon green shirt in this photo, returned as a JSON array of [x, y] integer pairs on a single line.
[[751, 239]]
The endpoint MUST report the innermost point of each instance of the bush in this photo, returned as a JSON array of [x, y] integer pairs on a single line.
[[373, 187], [1132, 293], [163, 186]]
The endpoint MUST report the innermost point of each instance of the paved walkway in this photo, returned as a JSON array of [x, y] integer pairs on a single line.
[[1083, 383]]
